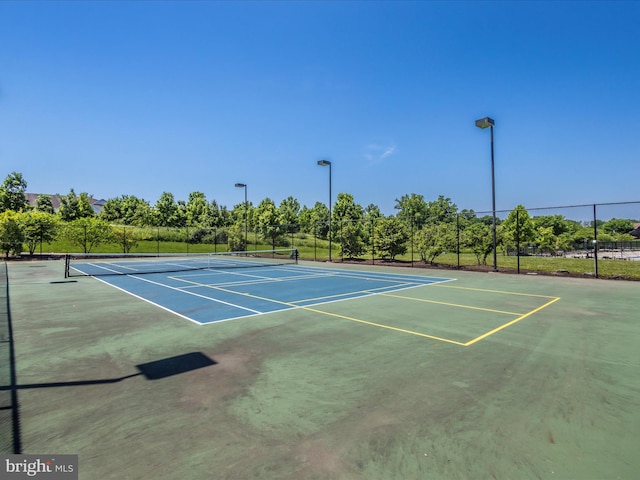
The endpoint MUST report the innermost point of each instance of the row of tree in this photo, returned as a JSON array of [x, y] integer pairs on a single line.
[[430, 227]]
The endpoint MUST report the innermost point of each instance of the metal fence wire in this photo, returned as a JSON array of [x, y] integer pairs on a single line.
[[582, 236]]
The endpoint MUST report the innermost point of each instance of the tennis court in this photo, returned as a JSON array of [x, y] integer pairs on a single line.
[[237, 286], [303, 370], [213, 288]]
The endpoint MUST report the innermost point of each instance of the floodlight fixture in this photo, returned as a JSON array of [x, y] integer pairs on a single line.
[[485, 122]]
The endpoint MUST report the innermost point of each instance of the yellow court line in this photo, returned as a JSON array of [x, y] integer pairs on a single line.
[[493, 291], [501, 327], [335, 315], [366, 322], [384, 326], [450, 304]]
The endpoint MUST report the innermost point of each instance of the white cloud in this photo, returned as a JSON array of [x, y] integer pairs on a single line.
[[375, 154]]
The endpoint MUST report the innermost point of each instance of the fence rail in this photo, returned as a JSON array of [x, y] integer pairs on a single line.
[[569, 240]]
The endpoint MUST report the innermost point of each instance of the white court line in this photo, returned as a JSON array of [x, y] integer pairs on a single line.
[[265, 280], [314, 273], [188, 293]]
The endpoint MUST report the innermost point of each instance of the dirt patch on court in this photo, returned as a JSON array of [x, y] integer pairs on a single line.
[[319, 458], [235, 369]]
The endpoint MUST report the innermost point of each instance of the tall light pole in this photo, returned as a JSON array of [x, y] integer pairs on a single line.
[[246, 208], [327, 163], [484, 123]]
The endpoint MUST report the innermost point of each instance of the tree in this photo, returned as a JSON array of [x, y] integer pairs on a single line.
[[372, 212], [315, 220], [583, 236], [441, 210], [412, 207], [518, 228], [89, 232], [85, 209], [219, 215], [128, 238], [235, 238], [197, 209], [564, 242], [546, 240], [558, 223], [390, 237], [351, 244], [289, 211], [347, 216], [345, 208], [619, 228], [127, 210], [73, 207], [12, 196], [268, 221], [44, 204], [468, 215], [167, 212], [433, 240], [11, 235], [238, 214], [38, 228], [479, 239]]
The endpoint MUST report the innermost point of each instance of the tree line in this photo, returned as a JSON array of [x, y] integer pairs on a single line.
[[430, 227]]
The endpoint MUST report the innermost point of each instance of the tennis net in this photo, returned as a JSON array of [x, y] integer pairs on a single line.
[[94, 265]]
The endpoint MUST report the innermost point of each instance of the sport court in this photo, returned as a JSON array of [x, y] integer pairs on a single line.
[[214, 288], [339, 371]]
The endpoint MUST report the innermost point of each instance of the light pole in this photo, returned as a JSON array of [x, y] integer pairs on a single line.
[[244, 185], [484, 123], [327, 163]]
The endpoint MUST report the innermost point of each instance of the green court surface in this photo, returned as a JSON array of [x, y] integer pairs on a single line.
[[487, 376]]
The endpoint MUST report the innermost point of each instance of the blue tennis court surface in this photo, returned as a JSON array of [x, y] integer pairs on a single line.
[[209, 296]]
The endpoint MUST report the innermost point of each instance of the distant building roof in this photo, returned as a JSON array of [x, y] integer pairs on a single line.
[[32, 199]]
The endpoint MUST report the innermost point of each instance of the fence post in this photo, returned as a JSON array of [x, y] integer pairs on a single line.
[[373, 242], [458, 237], [595, 240], [518, 237], [341, 240], [412, 236]]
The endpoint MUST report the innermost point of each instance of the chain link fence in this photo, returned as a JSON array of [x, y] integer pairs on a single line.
[[578, 239]]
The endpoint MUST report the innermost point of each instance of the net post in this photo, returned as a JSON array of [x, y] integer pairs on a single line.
[[66, 265]]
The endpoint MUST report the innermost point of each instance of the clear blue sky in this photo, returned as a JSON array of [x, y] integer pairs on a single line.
[[138, 98]]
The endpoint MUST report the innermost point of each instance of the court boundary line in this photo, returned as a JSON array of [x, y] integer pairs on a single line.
[[403, 284], [288, 305], [292, 305], [447, 340]]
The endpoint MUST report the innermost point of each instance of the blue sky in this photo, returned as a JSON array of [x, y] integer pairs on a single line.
[[139, 98]]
